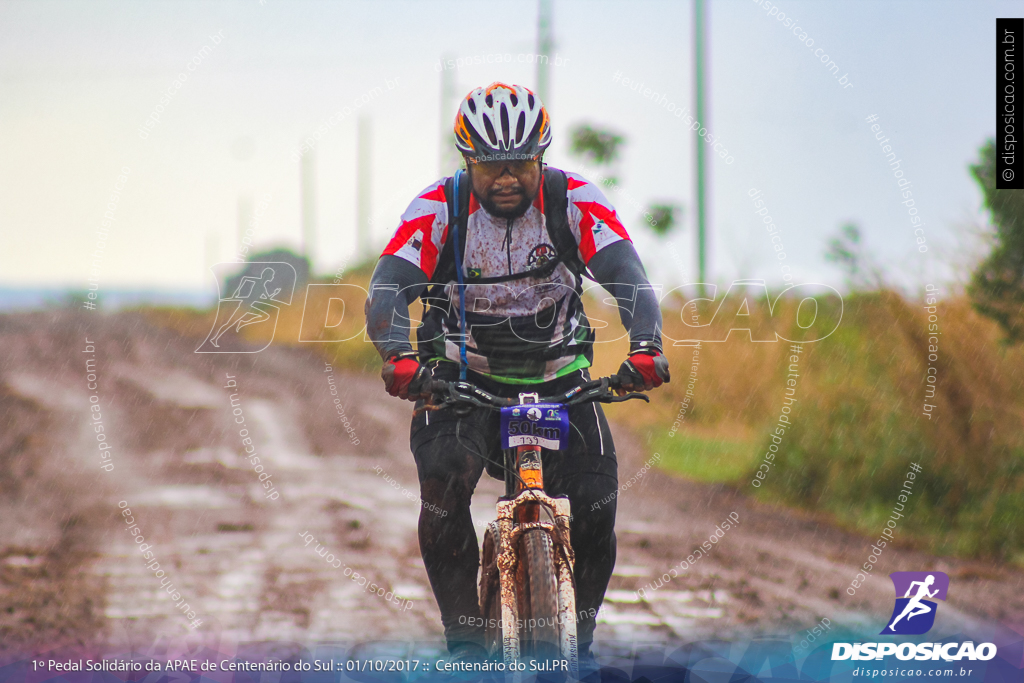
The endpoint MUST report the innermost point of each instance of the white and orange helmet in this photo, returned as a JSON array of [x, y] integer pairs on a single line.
[[502, 122]]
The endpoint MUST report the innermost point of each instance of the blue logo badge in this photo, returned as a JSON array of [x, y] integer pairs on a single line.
[[914, 614]]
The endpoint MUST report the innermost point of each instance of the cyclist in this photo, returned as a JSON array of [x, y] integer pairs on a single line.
[[524, 235]]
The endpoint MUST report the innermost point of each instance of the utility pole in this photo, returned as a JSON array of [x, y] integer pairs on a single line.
[[449, 157], [545, 44], [364, 135], [308, 182], [211, 252], [698, 66], [244, 219]]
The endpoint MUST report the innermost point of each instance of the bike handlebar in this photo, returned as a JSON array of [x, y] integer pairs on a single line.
[[596, 391]]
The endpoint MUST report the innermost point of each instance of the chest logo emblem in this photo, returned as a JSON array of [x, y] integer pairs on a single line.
[[540, 255]]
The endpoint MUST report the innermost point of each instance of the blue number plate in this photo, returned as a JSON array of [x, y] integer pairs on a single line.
[[538, 424]]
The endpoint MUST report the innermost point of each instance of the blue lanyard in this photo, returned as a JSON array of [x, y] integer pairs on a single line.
[[458, 270]]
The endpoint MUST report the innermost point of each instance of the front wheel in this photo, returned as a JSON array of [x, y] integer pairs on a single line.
[[490, 594], [538, 596]]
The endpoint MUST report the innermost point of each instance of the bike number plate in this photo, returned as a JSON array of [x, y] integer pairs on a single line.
[[536, 424]]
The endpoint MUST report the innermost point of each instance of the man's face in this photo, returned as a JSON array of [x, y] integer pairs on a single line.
[[506, 188]]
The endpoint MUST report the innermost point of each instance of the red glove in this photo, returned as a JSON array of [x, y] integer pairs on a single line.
[[400, 371], [644, 370]]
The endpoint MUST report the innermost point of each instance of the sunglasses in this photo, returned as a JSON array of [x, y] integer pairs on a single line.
[[493, 169]]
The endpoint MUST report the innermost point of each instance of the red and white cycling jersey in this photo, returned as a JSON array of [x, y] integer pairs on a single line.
[[545, 313]]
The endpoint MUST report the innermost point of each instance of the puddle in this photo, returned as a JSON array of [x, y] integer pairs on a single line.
[[622, 596], [609, 615], [637, 527], [280, 444], [412, 591], [186, 497], [49, 393], [174, 386], [214, 456], [628, 570]]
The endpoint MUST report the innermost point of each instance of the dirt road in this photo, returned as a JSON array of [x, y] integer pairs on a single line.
[[249, 565]]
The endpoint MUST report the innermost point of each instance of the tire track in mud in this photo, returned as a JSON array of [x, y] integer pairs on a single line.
[[234, 556], [240, 554], [46, 538], [238, 560]]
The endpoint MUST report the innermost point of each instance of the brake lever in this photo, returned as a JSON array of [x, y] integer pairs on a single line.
[[453, 394], [604, 393], [443, 396], [627, 397]]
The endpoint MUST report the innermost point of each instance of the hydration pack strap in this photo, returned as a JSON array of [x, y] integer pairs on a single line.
[[462, 287], [556, 204]]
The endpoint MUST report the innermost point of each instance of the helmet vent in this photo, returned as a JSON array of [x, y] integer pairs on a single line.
[[497, 119], [504, 122], [490, 130]]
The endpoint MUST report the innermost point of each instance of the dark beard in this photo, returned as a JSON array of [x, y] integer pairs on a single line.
[[515, 212]]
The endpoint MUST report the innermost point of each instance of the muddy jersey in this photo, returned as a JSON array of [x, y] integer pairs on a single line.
[[524, 330]]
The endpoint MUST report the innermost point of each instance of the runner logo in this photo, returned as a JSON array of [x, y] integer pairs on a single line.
[[914, 614], [254, 297]]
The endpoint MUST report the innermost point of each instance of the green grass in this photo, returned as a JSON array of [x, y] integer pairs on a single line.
[[705, 459], [855, 434]]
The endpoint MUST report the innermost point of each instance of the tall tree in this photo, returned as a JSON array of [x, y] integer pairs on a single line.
[[596, 145], [997, 286], [664, 217], [601, 148], [848, 250]]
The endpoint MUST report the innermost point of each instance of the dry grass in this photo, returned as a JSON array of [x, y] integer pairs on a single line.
[[858, 422]]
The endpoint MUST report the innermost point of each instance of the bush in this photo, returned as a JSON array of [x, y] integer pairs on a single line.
[[858, 427]]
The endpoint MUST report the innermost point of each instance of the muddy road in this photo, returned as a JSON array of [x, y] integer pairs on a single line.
[[246, 551]]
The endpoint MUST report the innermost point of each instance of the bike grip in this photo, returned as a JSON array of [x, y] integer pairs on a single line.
[[420, 382], [436, 387]]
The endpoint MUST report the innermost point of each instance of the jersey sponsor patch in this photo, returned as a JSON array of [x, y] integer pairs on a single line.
[[541, 255]]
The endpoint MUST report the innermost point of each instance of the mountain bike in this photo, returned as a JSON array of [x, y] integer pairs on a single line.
[[527, 589]]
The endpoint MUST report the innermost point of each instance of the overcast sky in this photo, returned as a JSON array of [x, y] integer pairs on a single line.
[[78, 80]]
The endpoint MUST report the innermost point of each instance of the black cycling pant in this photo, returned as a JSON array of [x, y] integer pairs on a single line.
[[450, 452]]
